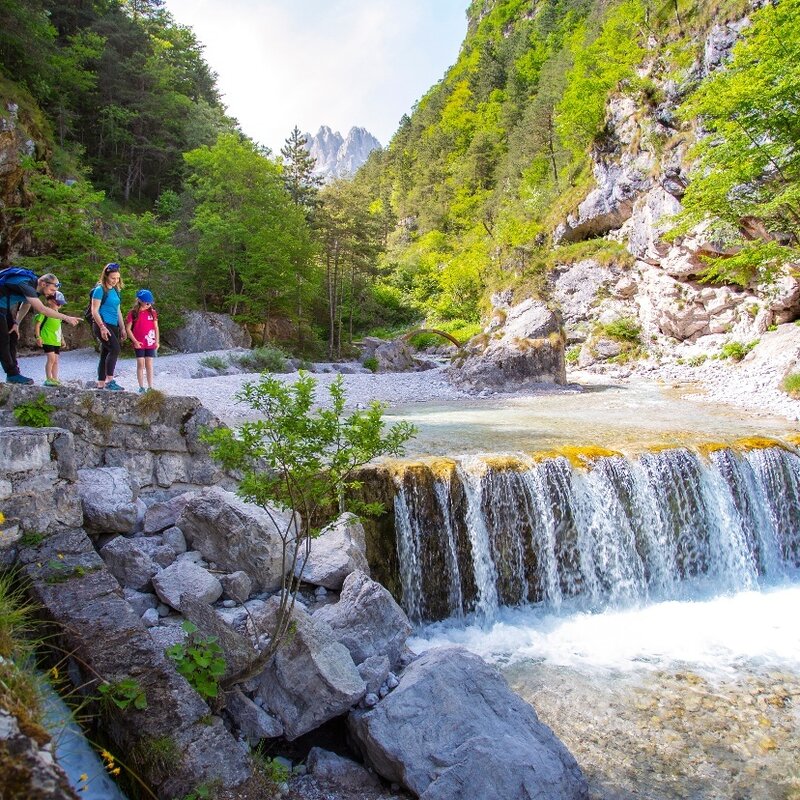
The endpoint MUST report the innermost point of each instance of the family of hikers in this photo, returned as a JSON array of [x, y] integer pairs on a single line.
[[22, 290]]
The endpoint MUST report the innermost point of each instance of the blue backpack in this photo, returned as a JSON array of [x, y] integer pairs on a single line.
[[10, 277]]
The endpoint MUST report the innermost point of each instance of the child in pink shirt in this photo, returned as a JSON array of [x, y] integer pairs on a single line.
[[142, 326]]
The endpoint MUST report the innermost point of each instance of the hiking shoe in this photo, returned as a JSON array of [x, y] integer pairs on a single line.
[[19, 379], [52, 382], [113, 386], [142, 390]]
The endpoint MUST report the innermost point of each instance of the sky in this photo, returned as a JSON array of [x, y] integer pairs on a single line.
[[340, 63]]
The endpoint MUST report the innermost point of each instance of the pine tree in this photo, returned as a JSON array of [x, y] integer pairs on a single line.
[[298, 171]]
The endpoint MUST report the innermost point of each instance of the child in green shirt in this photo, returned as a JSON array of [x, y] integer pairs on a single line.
[[48, 337]]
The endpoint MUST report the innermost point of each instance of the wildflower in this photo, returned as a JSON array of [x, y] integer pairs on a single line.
[[2, 517], [60, 556], [54, 673]]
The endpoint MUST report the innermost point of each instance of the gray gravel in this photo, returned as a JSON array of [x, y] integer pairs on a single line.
[[173, 376]]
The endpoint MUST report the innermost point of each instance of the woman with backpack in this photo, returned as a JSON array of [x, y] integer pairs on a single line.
[[108, 326], [19, 292]]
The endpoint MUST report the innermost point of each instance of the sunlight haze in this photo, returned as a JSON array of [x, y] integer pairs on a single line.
[[312, 63]]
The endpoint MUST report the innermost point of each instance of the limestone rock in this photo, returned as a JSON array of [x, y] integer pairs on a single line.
[[35, 775], [374, 671], [311, 678], [344, 772], [526, 349], [129, 563], [237, 585], [184, 577], [252, 721], [236, 535], [339, 550], [367, 620], [453, 722], [204, 331], [161, 516], [109, 499]]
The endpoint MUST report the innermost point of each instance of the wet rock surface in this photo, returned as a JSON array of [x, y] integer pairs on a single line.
[[670, 735]]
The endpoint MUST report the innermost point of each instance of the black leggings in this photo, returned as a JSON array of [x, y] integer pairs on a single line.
[[109, 352], [8, 343]]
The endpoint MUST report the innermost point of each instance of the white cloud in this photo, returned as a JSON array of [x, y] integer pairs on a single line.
[[334, 62]]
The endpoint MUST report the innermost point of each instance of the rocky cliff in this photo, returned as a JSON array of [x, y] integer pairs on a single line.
[[337, 156]]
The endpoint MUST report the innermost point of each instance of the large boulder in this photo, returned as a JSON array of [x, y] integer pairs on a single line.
[[130, 563], [312, 678], [186, 578], [339, 549], [236, 535], [367, 620], [522, 346], [203, 331], [453, 729], [109, 497]]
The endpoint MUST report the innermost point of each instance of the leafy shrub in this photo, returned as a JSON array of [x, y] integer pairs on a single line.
[[625, 329], [696, 361], [219, 363], [791, 384], [572, 355], [371, 363], [124, 693], [736, 350], [35, 414], [199, 659], [262, 359]]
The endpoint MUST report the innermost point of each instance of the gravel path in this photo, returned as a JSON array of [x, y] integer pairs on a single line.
[[173, 376]]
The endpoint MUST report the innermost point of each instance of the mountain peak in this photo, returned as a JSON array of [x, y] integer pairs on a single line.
[[338, 156]]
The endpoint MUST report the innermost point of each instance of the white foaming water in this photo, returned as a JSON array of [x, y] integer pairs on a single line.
[[715, 636]]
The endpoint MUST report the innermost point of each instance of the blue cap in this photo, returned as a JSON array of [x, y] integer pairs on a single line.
[[145, 295], [112, 267]]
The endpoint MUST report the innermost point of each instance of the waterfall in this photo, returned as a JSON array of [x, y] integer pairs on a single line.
[[607, 530]]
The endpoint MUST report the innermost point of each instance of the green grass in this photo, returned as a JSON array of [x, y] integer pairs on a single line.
[[624, 329], [262, 359], [791, 385], [736, 350]]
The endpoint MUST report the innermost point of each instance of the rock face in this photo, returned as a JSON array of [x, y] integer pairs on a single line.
[[71, 584], [521, 347], [311, 664], [453, 728], [109, 499], [28, 768], [158, 444], [338, 550], [367, 620], [339, 157], [203, 331], [237, 536]]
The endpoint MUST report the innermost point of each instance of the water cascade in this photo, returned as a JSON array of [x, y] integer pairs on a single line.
[[481, 532]]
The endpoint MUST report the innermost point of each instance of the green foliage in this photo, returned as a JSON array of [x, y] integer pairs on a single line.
[[696, 361], [371, 363], [748, 166], [572, 355], [791, 384], [252, 245], [261, 359], [151, 402], [625, 329], [736, 350], [124, 694], [300, 458], [31, 539], [19, 692], [216, 362], [34, 414], [199, 659]]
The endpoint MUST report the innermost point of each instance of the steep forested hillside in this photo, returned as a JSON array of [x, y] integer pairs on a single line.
[[609, 130], [484, 174]]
